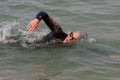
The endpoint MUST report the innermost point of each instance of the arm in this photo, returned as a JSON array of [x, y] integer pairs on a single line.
[[54, 26], [48, 20]]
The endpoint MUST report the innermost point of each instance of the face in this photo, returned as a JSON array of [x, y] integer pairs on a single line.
[[69, 38]]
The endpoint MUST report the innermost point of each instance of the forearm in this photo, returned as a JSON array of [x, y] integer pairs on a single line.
[[48, 20]]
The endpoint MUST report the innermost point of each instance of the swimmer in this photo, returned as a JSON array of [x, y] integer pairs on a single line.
[[56, 30]]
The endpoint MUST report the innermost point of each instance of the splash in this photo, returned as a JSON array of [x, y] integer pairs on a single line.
[[91, 40], [10, 32], [6, 30]]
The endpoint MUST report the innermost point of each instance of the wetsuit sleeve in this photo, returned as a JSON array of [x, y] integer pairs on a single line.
[[54, 26], [56, 30]]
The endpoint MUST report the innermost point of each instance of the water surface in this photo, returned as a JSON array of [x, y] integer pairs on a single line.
[[96, 60]]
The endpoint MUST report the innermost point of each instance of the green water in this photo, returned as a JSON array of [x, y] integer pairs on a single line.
[[97, 60]]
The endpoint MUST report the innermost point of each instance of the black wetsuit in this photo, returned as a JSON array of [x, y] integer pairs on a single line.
[[56, 30]]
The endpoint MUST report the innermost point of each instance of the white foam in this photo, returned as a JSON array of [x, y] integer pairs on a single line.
[[5, 29], [91, 40], [11, 32]]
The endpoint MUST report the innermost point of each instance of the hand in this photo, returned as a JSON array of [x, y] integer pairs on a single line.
[[33, 25]]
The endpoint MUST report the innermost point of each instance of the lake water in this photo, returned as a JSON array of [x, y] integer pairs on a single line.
[[95, 59]]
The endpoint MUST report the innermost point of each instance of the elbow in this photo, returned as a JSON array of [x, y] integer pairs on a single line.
[[41, 15]]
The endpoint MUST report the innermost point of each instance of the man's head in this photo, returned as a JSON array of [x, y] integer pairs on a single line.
[[72, 36]]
